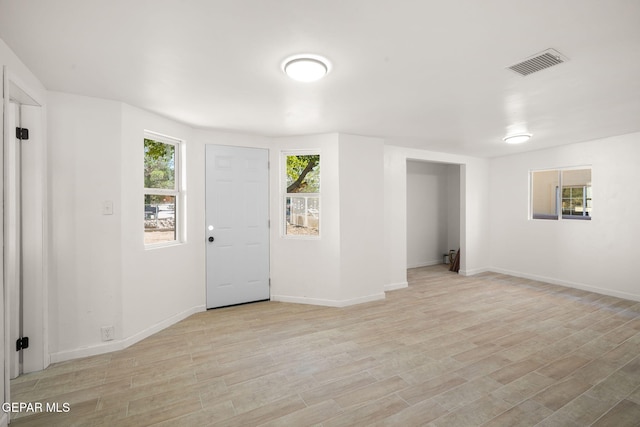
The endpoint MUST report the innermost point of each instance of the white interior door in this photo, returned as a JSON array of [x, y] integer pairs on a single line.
[[13, 238], [237, 221], [32, 246], [24, 234]]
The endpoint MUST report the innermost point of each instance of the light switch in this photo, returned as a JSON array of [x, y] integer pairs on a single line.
[[107, 207]]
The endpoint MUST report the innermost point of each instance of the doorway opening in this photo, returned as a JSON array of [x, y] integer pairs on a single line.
[[433, 212]]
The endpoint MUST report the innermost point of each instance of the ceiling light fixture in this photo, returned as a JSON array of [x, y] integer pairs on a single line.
[[306, 68], [517, 139]]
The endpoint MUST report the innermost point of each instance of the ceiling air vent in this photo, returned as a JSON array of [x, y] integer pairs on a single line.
[[537, 62]]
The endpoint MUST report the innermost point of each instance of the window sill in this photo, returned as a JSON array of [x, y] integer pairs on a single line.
[[151, 246], [555, 217]]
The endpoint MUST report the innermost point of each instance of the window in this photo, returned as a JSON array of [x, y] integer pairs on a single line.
[[161, 189], [576, 194], [544, 194], [302, 194], [561, 194]]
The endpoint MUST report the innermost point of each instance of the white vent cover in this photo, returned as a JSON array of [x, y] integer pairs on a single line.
[[537, 62]]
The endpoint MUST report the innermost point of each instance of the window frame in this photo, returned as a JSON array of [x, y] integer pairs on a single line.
[[559, 215], [284, 195], [177, 192]]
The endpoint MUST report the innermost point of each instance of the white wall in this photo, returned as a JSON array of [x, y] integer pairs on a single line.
[[307, 270], [160, 285], [361, 218], [100, 272], [597, 255], [474, 220], [433, 212], [345, 265], [85, 277], [395, 217], [85, 270], [474, 211], [453, 207]]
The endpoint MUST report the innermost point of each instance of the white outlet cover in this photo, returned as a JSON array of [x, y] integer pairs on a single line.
[[107, 207], [107, 333]]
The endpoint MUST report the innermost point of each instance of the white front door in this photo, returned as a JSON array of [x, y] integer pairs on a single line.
[[237, 225]]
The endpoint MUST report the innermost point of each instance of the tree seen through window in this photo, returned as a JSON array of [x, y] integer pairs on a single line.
[[302, 198]]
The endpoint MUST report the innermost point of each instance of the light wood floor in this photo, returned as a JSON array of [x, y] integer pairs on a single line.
[[488, 350]]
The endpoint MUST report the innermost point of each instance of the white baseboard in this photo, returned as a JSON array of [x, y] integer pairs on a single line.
[[567, 283], [327, 302], [426, 263], [360, 300], [116, 345], [394, 286], [472, 271]]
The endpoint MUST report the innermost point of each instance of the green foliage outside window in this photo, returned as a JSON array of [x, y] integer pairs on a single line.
[[303, 174], [159, 165]]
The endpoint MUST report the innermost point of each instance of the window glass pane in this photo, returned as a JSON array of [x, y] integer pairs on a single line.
[[303, 174], [576, 194], [302, 195], [159, 218], [576, 178], [303, 216], [544, 187], [159, 164]]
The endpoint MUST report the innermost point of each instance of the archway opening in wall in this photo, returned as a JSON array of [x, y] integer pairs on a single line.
[[433, 212]]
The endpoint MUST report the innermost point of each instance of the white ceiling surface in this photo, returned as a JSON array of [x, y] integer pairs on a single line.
[[420, 73]]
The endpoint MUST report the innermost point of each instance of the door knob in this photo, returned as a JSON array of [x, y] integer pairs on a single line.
[[211, 239]]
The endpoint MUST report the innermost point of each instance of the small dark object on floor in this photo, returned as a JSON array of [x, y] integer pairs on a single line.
[[454, 262]]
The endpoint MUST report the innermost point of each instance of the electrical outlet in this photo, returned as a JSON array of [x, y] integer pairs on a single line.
[[108, 333], [107, 207]]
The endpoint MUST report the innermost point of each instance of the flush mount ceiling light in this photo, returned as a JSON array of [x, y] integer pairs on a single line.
[[517, 139], [306, 68]]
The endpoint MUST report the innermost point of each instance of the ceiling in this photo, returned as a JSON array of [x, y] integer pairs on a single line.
[[419, 73]]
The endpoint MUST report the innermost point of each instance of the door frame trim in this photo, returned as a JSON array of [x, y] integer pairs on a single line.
[[14, 88]]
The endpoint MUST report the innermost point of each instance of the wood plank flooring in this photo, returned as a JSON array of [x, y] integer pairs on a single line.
[[488, 350]]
